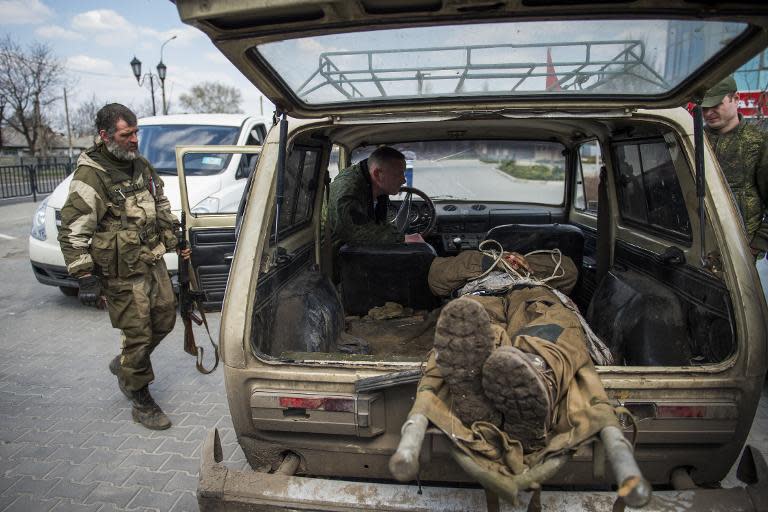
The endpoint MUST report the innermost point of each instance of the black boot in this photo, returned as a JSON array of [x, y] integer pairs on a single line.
[[147, 412], [520, 385], [463, 341], [114, 367]]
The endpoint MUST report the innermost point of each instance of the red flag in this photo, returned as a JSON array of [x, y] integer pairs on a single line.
[[552, 83]]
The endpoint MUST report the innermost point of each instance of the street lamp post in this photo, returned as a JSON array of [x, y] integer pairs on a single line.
[[161, 72], [161, 69], [136, 66]]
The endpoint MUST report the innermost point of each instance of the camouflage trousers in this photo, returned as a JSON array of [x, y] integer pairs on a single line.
[[535, 321], [144, 309]]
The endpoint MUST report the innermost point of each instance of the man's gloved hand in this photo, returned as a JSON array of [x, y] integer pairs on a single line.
[[90, 291]]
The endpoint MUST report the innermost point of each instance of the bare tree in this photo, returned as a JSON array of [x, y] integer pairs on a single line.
[[211, 97], [142, 109], [28, 83], [84, 117]]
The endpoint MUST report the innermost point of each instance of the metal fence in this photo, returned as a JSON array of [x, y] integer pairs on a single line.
[[32, 177]]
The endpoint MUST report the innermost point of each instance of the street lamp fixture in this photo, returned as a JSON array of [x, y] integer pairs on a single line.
[[136, 67], [161, 73]]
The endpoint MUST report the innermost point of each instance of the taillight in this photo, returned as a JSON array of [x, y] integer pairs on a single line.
[[361, 414], [318, 404], [681, 411], [666, 410]]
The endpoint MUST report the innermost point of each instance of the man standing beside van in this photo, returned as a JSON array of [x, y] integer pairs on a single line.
[[742, 150], [359, 198], [116, 225]]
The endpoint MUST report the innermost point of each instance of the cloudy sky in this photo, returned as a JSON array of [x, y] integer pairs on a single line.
[[96, 41]]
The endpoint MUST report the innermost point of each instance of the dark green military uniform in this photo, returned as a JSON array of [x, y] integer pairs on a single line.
[[743, 157], [117, 224], [352, 214]]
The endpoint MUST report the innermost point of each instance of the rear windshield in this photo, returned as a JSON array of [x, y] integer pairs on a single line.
[[158, 143], [484, 170], [581, 57]]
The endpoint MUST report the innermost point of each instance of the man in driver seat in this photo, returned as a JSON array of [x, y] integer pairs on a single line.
[[359, 198]]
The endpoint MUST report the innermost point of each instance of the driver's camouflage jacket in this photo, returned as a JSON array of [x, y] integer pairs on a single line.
[[115, 222], [352, 214], [743, 157]]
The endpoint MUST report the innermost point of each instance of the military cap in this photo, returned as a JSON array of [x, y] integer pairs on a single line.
[[715, 95]]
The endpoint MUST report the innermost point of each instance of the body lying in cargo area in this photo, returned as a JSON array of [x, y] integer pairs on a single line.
[[509, 361], [511, 377]]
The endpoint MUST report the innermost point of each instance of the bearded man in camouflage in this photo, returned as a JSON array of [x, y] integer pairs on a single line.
[[116, 225], [742, 150]]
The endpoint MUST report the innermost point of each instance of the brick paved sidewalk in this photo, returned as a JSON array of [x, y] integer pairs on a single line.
[[67, 439]]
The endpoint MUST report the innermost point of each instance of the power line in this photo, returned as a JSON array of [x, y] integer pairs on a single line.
[[96, 73], [27, 60]]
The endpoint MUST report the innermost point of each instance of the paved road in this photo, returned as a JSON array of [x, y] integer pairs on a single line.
[[470, 179], [67, 440]]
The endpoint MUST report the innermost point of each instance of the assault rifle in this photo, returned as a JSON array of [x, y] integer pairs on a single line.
[[190, 299]]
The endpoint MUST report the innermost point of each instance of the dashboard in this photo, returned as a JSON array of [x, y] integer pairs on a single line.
[[463, 225]]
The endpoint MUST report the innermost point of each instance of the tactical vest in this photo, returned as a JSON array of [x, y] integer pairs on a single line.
[[127, 242]]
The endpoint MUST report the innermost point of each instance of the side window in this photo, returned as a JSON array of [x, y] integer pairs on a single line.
[[300, 186], [648, 188], [248, 162], [588, 177], [256, 135]]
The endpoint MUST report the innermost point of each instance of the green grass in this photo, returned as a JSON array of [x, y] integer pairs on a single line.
[[532, 172]]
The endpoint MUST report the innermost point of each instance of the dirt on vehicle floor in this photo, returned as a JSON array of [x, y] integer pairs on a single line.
[[407, 336]]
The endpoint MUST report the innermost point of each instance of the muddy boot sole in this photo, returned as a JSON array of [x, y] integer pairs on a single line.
[[463, 341], [114, 367], [153, 419], [519, 391]]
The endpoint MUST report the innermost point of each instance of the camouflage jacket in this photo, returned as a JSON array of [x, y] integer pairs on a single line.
[[743, 157], [352, 215], [114, 224]]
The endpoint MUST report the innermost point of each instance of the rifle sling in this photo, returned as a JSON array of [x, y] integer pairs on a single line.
[[198, 349]]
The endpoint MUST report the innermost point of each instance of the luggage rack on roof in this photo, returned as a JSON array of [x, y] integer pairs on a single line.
[[592, 69]]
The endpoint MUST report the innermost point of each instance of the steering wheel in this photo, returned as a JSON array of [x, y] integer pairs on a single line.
[[411, 219]]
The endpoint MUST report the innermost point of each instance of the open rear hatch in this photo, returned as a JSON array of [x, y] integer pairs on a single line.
[[316, 58]]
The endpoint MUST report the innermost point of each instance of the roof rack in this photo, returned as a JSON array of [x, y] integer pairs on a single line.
[[596, 63]]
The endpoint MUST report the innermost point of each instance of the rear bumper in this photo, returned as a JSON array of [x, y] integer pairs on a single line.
[[223, 489]]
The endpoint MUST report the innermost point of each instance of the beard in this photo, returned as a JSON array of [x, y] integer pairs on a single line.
[[121, 153]]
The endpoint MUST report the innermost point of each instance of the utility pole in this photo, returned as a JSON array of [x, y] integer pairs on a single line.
[[69, 127], [2, 118]]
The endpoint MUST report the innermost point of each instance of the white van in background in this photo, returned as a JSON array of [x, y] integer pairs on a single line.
[[215, 182]]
